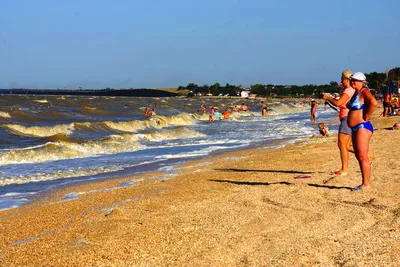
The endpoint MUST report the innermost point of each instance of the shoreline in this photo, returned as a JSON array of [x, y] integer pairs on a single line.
[[236, 208], [104, 177]]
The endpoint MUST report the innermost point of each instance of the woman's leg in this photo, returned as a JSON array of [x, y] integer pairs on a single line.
[[361, 145], [344, 144]]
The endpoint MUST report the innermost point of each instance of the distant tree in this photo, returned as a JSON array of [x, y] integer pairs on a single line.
[[204, 89], [376, 80], [333, 83], [215, 89], [192, 87], [394, 74], [258, 89]]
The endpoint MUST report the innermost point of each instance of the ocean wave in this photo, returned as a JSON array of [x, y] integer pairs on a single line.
[[53, 114], [201, 116], [92, 126], [94, 111], [39, 131], [287, 108], [179, 119], [171, 134], [66, 149], [131, 126], [4, 114], [151, 122], [60, 146], [41, 101], [61, 137], [39, 177], [20, 113]]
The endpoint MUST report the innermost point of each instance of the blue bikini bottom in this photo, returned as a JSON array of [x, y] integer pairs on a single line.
[[364, 125]]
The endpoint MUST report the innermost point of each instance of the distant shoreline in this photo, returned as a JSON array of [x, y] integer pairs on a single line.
[[95, 92]]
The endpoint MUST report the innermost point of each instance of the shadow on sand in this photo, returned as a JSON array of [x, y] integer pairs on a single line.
[[329, 186], [248, 183], [272, 171]]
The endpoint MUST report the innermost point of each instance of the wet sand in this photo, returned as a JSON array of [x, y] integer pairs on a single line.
[[241, 208]]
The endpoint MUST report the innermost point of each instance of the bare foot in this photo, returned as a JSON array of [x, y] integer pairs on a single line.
[[340, 173], [360, 188]]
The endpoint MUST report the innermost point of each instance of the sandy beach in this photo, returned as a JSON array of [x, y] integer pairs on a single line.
[[243, 208]]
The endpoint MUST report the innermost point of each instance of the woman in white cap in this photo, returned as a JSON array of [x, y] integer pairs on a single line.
[[344, 136], [361, 106]]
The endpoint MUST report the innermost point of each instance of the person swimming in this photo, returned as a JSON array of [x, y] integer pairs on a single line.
[[313, 110]]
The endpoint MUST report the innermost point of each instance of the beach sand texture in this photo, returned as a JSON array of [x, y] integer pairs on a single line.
[[236, 209]]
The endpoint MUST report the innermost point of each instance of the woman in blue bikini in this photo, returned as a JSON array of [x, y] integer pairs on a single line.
[[361, 106]]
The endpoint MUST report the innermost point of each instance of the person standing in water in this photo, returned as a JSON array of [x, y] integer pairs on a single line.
[[225, 114], [211, 115], [264, 110], [243, 107], [314, 107], [344, 135]]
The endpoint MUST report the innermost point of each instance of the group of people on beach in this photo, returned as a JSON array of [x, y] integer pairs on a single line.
[[214, 114], [356, 105], [391, 105]]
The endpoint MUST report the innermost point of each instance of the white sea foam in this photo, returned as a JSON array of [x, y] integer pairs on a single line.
[[13, 200], [41, 101], [40, 177], [40, 131], [67, 150], [4, 114]]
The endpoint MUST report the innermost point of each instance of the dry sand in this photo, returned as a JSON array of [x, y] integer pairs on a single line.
[[237, 209]]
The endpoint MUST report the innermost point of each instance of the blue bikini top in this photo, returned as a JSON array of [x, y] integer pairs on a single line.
[[354, 103]]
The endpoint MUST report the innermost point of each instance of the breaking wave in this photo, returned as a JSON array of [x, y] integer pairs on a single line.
[[39, 131], [4, 114], [59, 146], [176, 133]]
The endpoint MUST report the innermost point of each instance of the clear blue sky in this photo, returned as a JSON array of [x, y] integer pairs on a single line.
[[144, 43]]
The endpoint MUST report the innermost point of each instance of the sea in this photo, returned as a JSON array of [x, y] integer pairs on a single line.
[[49, 142]]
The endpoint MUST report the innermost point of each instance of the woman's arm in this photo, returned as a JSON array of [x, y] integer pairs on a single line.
[[342, 100], [370, 102]]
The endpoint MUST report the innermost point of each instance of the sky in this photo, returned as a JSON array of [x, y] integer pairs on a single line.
[[154, 44]]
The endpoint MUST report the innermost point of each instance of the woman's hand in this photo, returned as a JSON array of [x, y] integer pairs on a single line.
[[367, 117], [371, 104]]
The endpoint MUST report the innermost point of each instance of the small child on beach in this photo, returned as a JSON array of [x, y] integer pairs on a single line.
[[323, 129]]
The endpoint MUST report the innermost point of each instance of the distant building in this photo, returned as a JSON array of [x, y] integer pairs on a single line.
[[244, 93]]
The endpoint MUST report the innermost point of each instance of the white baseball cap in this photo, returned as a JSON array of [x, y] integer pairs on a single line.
[[358, 76]]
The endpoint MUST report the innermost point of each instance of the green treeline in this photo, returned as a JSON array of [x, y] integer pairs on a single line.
[[375, 80], [262, 90]]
